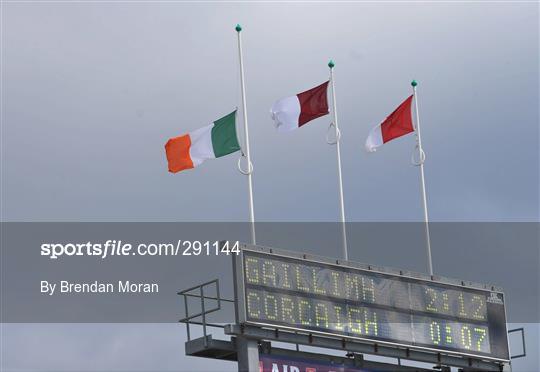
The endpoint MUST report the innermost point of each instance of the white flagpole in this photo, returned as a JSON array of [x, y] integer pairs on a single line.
[[340, 179], [246, 134], [422, 158]]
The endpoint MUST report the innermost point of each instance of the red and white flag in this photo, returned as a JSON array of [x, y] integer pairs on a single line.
[[293, 112], [397, 124]]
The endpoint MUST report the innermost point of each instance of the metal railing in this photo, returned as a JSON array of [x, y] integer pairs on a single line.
[[198, 291], [524, 353]]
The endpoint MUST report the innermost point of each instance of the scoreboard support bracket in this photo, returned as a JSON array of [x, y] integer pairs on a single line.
[[248, 353]]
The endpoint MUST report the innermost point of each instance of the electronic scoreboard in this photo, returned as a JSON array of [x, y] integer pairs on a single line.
[[288, 292]]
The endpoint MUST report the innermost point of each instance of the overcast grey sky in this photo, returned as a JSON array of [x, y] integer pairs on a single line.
[[93, 90]]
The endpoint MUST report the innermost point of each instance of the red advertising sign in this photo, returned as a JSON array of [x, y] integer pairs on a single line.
[[273, 363]]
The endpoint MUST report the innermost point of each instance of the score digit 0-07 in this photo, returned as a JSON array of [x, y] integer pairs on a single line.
[[293, 293]]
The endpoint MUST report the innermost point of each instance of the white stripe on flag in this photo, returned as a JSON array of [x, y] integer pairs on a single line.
[[201, 147], [286, 113], [374, 139]]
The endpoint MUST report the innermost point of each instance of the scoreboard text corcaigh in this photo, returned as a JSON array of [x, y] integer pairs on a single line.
[[319, 297]]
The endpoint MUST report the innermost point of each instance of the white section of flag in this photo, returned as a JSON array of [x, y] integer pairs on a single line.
[[374, 139], [286, 113], [201, 145]]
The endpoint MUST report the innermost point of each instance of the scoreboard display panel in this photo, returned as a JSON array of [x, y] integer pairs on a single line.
[[294, 293]]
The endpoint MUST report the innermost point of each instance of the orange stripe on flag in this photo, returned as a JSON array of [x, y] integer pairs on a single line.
[[177, 150]]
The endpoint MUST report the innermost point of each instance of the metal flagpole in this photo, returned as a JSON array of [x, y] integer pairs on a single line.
[[340, 179], [422, 158], [246, 134]]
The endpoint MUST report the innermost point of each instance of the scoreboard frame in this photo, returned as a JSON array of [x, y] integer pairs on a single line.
[[241, 310]]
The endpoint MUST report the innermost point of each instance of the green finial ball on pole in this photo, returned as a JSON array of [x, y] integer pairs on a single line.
[[414, 83], [238, 28], [331, 64]]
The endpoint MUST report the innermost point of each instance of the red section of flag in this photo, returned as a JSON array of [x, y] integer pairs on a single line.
[[399, 122], [313, 103]]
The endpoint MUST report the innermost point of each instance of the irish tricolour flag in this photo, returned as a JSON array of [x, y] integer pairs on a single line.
[[212, 141], [292, 112]]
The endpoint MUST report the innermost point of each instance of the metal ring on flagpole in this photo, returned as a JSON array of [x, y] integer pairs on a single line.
[[421, 156], [337, 133], [241, 170]]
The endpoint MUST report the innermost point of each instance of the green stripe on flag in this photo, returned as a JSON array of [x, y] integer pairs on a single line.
[[224, 140]]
